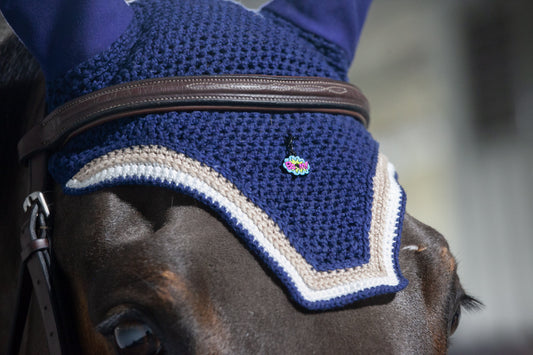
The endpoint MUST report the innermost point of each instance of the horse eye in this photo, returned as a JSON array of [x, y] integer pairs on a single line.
[[454, 323], [136, 338]]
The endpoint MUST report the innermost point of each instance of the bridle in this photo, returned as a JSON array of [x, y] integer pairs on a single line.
[[259, 93]]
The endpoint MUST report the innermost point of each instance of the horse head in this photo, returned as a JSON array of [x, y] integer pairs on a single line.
[[220, 230]]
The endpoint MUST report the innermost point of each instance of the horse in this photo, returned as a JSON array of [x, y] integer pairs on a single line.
[[148, 270]]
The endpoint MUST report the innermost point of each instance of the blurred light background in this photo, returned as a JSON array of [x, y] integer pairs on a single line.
[[451, 90], [450, 85]]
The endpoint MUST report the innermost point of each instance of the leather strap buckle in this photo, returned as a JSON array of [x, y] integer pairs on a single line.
[[35, 275], [37, 225], [36, 198]]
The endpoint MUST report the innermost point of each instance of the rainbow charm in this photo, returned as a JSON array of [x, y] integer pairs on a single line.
[[296, 165]]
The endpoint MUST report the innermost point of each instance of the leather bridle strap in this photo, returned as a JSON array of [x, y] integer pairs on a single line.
[[189, 93], [36, 264], [199, 93]]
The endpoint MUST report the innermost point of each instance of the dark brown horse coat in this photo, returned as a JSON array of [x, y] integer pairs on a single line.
[[182, 269]]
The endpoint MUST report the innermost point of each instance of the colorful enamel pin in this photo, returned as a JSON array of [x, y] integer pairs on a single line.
[[293, 163]]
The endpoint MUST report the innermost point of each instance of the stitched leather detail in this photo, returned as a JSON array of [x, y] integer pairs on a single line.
[[224, 93]]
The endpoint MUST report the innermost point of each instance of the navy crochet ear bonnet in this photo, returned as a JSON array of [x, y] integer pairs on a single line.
[[309, 193]]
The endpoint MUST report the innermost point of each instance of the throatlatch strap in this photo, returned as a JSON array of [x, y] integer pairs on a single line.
[[35, 267], [222, 93]]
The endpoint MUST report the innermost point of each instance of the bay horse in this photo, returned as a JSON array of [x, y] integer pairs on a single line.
[[147, 270]]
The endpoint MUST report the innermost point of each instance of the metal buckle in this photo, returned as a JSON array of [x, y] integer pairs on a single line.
[[37, 198], [39, 213]]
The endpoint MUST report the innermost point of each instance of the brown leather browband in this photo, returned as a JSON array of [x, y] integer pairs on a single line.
[[190, 93]]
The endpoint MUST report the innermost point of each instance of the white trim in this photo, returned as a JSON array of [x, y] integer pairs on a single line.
[[393, 204]]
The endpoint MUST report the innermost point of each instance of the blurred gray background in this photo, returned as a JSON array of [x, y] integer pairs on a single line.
[[450, 85], [451, 90]]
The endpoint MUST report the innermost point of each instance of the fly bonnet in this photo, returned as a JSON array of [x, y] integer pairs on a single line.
[[309, 193]]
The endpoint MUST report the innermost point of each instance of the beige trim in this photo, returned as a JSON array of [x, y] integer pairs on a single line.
[[317, 280]]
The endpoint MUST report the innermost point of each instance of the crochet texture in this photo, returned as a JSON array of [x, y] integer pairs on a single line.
[[326, 215]]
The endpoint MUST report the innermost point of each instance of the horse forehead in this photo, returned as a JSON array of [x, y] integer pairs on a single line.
[[149, 224], [114, 216]]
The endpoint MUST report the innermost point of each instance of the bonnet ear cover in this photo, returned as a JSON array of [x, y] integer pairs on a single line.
[[64, 33], [339, 21], [308, 193]]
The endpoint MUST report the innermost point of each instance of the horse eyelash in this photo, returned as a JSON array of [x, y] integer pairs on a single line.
[[467, 302], [107, 326], [470, 303]]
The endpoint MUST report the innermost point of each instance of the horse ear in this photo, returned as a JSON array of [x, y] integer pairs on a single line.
[[63, 33], [338, 21]]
